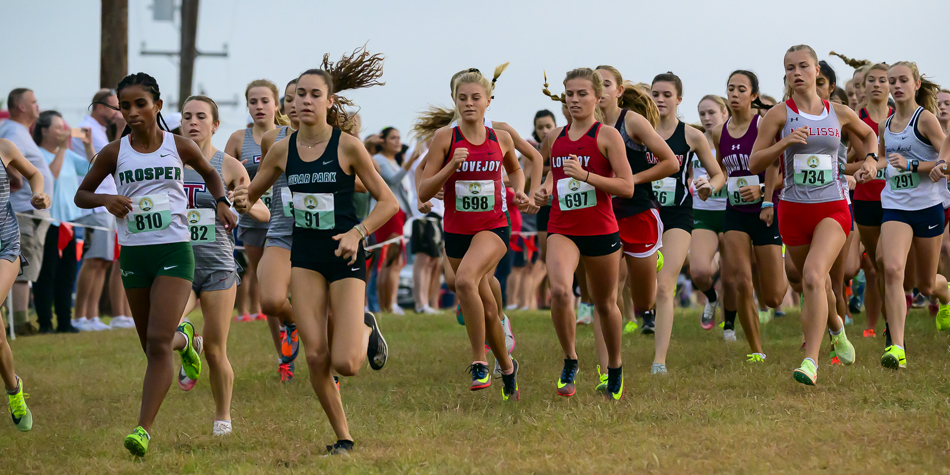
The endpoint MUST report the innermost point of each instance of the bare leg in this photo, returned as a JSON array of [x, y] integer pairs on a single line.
[[216, 307], [676, 243], [8, 273]]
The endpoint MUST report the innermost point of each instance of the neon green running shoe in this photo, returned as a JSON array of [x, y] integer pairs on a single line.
[[756, 358], [894, 358], [190, 360], [765, 316], [22, 417], [807, 374], [630, 327], [615, 385], [659, 261], [943, 316], [137, 442], [602, 385], [844, 350], [722, 324]]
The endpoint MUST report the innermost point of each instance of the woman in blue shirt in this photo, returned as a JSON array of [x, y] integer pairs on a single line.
[[58, 272]]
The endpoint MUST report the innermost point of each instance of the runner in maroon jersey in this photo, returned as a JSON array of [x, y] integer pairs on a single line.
[[470, 175], [587, 167]]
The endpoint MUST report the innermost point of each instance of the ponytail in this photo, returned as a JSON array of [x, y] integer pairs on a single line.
[[854, 63], [430, 121], [358, 70]]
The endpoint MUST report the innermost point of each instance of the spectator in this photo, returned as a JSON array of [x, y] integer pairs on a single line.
[[33, 223], [58, 272], [98, 244], [426, 244]]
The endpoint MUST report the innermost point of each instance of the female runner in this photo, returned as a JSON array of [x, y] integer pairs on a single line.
[[707, 218], [676, 202], [943, 109], [748, 223], [913, 201], [215, 281], [10, 263], [650, 159], [328, 265], [813, 207], [274, 268], [263, 102], [475, 218], [158, 265], [587, 166]]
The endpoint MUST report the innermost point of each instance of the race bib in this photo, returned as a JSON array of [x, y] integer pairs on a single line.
[[735, 183], [149, 213], [474, 195], [201, 225], [287, 201], [665, 191], [267, 197], [573, 194], [813, 169], [881, 174], [902, 179], [314, 211]]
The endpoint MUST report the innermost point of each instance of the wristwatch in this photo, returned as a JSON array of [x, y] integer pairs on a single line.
[[223, 199]]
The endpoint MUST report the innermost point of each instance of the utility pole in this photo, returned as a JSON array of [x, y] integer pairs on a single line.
[[188, 50], [114, 43]]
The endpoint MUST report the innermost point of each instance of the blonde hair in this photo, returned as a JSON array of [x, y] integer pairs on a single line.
[[926, 95], [636, 97], [431, 120], [718, 100], [357, 70], [597, 84], [474, 76], [854, 63], [810, 50], [279, 119]]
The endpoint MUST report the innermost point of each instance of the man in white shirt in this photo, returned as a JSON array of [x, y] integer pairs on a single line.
[[34, 223], [99, 245]]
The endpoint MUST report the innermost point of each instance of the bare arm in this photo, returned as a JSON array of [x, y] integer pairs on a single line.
[[529, 152], [512, 166], [12, 158], [612, 147], [666, 164], [235, 174], [272, 165], [766, 150], [233, 147], [436, 174], [102, 167], [191, 155], [700, 146]]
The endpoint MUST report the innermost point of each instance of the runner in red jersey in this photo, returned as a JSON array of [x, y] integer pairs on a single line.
[[868, 213], [588, 165], [472, 156]]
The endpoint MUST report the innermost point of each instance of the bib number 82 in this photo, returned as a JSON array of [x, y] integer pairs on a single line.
[[199, 233]]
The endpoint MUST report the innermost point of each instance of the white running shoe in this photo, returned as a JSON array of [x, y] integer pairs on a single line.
[[429, 310], [509, 336], [221, 428], [96, 325], [512, 306], [708, 320], [84, 325], [127, 322], [585, 314], [729, 335], [397, 310]]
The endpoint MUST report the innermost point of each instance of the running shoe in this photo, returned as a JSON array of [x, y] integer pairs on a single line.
[[565, 384], [377, 351], [261, 316], [943, 317], [729, 335], [190, 359], [602, 384], [341, 447], [894, 358], [765, 316], [779, 313], [658, 368], [659, 261], [848, 320], [289, 343], [458, 315], [137, 442], [336, 381], [835, 361], [585, 314], [756, 358], [910, 301], [933, 306], [96, 325], [509, 388], [708, 320], [184, 382], [919, 301], [844, 350], [887, 336], [615, 384], [22, 417], [480, 376], [630, 327], [807, 374], [648, 324], [242, 318], [397, 310], [509, 335], [221, 428], [870, 333], [286, 371]]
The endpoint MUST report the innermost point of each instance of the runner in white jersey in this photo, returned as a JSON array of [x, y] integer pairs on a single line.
[[10, 263], [707, 219], [913, 202], [157, 260]]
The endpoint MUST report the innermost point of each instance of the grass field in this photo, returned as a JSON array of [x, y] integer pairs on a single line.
[[713, 413]]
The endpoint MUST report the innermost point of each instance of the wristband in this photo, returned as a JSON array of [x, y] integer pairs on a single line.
[[588, 176], [768, 204], [361, 229], [908, 165]]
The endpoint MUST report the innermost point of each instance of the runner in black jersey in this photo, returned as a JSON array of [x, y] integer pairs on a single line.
[[327, 259], [676, 202]]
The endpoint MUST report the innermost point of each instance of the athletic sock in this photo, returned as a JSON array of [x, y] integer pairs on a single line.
[[16, 389], [836, 333], [729, 319], [480, 362], [510, 371], [812, 361], [711, 294]]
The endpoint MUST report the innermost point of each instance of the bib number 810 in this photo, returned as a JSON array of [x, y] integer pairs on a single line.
[[148, 222]]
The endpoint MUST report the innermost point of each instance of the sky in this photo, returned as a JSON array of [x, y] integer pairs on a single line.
[[52, 47]]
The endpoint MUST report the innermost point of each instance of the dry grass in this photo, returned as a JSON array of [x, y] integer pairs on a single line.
[[713, 413]]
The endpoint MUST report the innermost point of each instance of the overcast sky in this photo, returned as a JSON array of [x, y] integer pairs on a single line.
[[52, 46]]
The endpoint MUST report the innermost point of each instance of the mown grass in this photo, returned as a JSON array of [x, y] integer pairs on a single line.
[[713, 413]]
